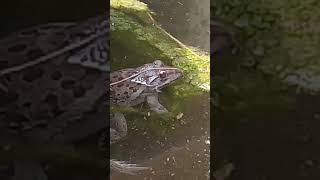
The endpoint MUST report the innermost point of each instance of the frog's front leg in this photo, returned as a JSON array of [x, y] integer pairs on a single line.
[[154, 104], [118, 127]]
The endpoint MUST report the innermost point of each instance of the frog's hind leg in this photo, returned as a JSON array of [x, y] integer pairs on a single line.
[[118, 127]]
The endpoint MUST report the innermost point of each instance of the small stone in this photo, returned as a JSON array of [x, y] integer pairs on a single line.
[[207, 142], [182, 122], [179, 116]]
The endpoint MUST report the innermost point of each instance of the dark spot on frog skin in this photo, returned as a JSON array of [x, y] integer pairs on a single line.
[[56, 75], [26, 104], [32, 74], [67, 84], [34, 53], [91, 71], [78, 91], [17, 48], [51, 99], [119, 85]]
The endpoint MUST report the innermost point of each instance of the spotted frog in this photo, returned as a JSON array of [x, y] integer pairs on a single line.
[[52, 84], [144, 86]]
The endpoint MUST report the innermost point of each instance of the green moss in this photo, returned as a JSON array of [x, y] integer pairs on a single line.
[[151, 42], [285, 30], [129, 5]]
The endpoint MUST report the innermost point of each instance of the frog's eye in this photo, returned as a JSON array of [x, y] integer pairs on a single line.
[[157, 63], [162, 74]]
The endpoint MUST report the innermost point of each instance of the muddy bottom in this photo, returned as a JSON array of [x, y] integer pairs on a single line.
[[182, 153]]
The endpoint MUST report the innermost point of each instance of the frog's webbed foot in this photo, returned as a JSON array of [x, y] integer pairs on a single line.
[[118, 127], [155, 105]]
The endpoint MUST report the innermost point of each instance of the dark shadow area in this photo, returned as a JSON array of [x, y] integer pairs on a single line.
[[266, 119], [54, 101]]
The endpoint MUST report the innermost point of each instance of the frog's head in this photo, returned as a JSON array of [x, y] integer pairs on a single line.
[[165, 75]]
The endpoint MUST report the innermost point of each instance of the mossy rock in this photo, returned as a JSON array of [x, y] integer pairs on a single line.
[[281, 37], [135, 32]]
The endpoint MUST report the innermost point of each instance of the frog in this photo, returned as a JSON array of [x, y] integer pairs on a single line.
[[52, 84], [133, 86]]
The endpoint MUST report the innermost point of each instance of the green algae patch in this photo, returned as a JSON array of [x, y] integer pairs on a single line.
[[136, 33], [130, 5]]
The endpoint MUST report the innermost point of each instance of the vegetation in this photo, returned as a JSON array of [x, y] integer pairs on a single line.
[[280, 38]]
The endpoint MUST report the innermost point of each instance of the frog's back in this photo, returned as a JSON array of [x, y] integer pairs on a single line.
[[46, 90], [126, 93]]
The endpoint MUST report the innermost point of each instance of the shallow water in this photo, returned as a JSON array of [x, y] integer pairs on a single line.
[[181, 153], [188, 21]]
